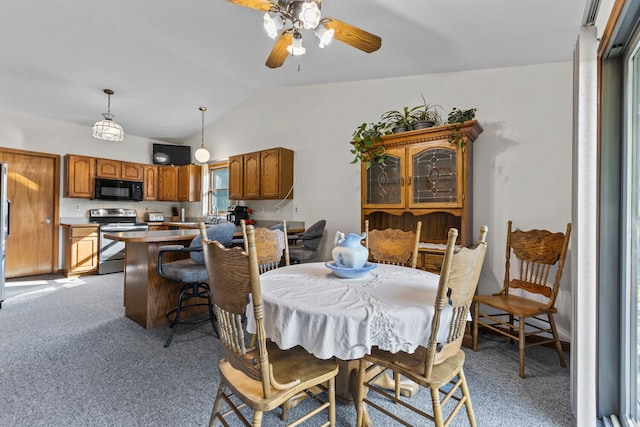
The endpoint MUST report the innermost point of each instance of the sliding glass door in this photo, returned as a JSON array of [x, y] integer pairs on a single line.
[[630, 238]]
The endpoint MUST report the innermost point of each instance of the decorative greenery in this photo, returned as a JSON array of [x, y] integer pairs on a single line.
[[426, 113], [400, 119], [455, 119], [366, 147]]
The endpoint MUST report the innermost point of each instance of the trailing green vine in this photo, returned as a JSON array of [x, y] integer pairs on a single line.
[[455, 119]]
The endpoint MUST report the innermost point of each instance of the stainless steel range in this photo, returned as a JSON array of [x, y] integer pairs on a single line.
[[111, 256]]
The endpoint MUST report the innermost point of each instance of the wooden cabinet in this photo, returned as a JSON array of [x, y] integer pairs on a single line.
[[423, 178], [81, 249], [79, 174], [189, 183], [261, 175], [132, 171], [107, 168], [168, 183], [116, 169], [150, 179]]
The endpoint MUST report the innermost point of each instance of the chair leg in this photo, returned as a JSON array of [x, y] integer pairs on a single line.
[[511, 329], [437, 409], [360, 397], [176, 320], [467, 403], [474, 341], [554, 331], [331, 391], [217, 405], [257, 419], [214, 321], [521, 343]]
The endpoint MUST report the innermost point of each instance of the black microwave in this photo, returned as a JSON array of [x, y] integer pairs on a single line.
[[113, 189]]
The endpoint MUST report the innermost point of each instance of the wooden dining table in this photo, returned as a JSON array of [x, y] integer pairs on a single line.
[[390, 307]]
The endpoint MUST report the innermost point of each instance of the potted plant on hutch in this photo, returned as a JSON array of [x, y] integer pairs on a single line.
[[366, 143], [426, 115], [455, 119], [400, 121]]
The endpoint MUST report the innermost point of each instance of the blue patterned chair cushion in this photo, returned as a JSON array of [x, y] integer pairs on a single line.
[[222, 233]]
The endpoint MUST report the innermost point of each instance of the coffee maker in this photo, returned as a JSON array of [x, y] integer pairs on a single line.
[[238, 213]]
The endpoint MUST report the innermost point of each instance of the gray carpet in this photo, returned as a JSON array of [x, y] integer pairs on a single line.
[[71, 358]]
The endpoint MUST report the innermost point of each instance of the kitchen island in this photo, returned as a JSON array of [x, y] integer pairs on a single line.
[[147, 296]]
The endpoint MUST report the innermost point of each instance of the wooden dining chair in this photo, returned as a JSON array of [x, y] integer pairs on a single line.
[[272, 246], [393, 246], [397, 247], [439, 366], [263, 376], [526, 296]]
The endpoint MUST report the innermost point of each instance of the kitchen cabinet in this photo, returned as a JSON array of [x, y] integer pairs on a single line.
[[132, 171], [81, 249], [168, 183], [79, 174], [423, 178], [189, 183], [116, 169], [150, 179], [261, 175]]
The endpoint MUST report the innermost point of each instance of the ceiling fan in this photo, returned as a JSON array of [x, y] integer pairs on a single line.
[[305, 14]]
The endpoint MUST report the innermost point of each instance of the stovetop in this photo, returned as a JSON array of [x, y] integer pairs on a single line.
[[113, 215]]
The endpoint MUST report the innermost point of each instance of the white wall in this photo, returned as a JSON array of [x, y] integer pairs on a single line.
[[522, 164]]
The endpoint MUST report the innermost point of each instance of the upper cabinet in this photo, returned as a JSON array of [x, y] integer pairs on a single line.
[[150, 173], [423, 178], [189, 183], [80, 171], [261, 175], [116, 169], [164, 183]]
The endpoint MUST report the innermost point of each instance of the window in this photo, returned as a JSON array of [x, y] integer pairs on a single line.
[[218, 192]]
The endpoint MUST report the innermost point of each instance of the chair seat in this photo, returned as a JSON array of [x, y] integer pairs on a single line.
[[302, 254], [185, 270], [516, 305], [288, 365], [411, 366]]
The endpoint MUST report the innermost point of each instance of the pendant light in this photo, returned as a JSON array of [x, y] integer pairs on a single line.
[[202, 154], [107, 129]]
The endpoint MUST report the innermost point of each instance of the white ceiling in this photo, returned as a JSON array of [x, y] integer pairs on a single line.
[[166, 58]]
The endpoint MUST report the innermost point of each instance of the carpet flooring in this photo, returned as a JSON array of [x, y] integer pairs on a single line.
[[70, 357]]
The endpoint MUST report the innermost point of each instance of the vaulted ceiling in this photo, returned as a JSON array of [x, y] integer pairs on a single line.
[[166, 58]]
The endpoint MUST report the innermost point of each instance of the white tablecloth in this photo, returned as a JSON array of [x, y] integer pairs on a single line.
[[390, 307]]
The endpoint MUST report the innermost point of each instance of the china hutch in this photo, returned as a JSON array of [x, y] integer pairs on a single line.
[[427, 178]]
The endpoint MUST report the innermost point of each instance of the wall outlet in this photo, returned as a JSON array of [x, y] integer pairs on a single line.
[[296, 209], [78, 206], [261, 208], [278, 209]]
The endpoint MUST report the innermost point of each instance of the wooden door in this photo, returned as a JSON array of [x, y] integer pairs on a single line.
[[252, 175], [168, 183], [34, 191], [150, 182], [236, 177]]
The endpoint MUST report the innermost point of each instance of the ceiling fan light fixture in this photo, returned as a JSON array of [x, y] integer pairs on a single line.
[[107, 129], [273, 23], [309, 15], [202, 154], [324, 35], [296, 48]]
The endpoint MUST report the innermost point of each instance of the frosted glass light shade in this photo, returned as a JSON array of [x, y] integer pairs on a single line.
[[107, 129], [202, 155]]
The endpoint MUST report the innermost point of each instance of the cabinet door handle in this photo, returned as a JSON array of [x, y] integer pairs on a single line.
[[401, 181], [409, 180]]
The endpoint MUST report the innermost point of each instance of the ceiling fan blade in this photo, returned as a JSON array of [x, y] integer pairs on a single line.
[[279, 52], [265, 5], [352, 36]]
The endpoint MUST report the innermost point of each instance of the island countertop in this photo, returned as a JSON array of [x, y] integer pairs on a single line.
[[153, 236]]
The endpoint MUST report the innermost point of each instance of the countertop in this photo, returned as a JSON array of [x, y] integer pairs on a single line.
[[153, 236]]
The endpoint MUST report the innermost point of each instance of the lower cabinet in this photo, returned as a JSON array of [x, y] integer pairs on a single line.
[[81, 249]]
